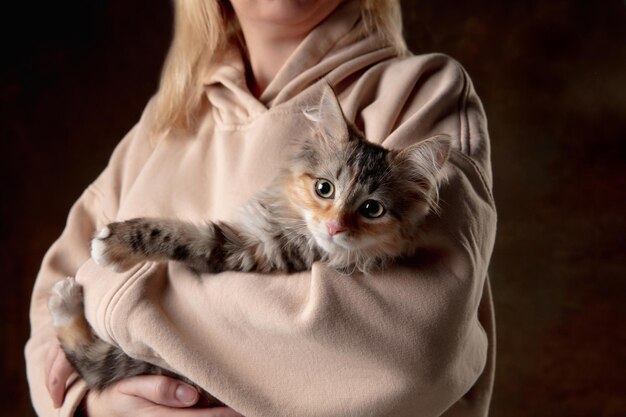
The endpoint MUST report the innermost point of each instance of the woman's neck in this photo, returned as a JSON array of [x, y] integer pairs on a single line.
[[266, 54], [272, 30]]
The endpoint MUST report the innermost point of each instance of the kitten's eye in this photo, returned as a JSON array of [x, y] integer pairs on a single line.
[[324, 188], [371, 209]]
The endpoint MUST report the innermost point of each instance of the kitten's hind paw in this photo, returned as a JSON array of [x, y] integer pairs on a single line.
[[107, 249], [66, 302]]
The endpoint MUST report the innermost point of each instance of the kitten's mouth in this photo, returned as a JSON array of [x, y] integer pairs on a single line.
[[342, 240], [332, 243]]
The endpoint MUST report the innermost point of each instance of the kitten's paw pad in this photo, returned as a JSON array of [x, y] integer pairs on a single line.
[[66, 302], [108, 250]]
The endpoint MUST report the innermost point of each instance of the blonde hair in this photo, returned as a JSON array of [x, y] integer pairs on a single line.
[[204, 29]]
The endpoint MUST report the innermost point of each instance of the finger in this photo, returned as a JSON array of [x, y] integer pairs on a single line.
[[60, 371], [52, 353], [160, 390]]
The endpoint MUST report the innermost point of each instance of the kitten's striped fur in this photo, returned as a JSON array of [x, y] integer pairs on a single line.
[[295, 222]]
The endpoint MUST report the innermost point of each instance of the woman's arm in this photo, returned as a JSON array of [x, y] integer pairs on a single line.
[[62, 260], [93, 209], [149, 396]]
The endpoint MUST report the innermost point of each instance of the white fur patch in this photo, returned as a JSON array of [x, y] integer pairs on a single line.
[[99, 251], [66, 302], [103, 233]]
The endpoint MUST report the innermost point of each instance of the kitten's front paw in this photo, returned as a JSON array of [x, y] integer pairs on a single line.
[[66, 302], [99, 249], [108, 249]]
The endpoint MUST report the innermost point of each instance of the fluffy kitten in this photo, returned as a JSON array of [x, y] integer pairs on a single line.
[[342, 200]]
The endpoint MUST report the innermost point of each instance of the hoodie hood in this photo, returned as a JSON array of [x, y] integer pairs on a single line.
[[333, 50]]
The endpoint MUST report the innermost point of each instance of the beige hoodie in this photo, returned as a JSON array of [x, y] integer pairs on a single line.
[[416, 340]]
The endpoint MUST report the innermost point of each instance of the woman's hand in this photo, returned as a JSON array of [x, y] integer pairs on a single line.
[[150, 395], [58, 370]]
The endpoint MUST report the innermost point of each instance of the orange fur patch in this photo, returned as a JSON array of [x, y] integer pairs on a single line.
[[75, 334], [302, 195], [386, 232], [384, 225]]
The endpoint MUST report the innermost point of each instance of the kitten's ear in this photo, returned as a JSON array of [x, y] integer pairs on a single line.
[[428, 157], [328, 116]]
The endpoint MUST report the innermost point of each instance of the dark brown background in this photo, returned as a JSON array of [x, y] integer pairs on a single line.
[[552, 75]]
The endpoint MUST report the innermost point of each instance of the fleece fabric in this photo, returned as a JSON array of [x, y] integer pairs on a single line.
[[414, 340]]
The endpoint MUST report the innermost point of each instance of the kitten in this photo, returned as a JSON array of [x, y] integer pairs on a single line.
[[344, 201]]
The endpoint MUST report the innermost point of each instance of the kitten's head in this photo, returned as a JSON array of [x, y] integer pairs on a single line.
[[359, 199]]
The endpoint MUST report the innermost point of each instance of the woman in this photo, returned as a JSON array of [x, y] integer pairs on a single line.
[[406, 342]]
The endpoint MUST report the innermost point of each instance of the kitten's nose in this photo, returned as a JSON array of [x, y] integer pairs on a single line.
[[334, 228]]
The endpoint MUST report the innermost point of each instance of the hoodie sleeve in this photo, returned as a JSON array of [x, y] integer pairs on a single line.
[[409, 341], [92, 210]]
